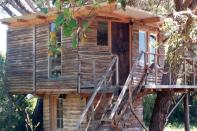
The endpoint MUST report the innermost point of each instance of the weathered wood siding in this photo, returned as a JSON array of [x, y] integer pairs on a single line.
[[73, 105], [91, 48], [20, 60], [68, 79]]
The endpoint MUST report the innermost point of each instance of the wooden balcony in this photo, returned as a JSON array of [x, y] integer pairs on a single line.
[[160, 78]]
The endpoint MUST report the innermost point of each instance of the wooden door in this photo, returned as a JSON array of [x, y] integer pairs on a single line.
[[120, 47]]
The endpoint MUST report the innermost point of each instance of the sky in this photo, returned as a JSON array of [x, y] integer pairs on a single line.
[[3, 38], [3, 34]]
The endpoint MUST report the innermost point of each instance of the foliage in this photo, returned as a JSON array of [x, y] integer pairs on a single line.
[[177, 116], [29, 123], [148, 104], [12, 107], [182, 35]]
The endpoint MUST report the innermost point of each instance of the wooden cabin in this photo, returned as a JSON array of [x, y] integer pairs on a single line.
[[80, 85]]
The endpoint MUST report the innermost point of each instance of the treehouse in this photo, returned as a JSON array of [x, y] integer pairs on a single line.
[[99, 84]]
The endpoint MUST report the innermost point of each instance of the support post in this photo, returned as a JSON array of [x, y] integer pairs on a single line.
[[117, 71], [93, 119], [186, 112], [79, 76], [34, 59]]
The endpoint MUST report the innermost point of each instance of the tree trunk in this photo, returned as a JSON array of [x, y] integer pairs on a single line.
[[160, 111], [162, 105]]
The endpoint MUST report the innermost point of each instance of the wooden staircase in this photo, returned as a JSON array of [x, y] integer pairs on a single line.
[[120, 100]]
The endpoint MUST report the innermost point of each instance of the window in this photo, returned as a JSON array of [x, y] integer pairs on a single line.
[[152, 48], [102, 34], [142, 44], [54, 52], [60, 113]]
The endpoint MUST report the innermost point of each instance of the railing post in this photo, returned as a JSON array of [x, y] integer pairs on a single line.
[[79, 77], [117, 71], [194, 73], [155, 58], [185, 72], [93, 116], [94, 71], [170, 71], [144, 58]]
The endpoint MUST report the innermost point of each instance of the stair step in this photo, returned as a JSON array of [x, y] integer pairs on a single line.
[[106, 120]]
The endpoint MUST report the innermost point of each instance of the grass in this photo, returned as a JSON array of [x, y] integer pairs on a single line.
[[179, 128]]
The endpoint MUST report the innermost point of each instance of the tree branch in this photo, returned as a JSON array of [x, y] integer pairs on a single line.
[[15, 6], [178, 5], [18, 2], [9, 12], [186, 4], [31, 5]]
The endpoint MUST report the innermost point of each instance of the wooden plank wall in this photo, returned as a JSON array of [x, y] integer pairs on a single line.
[[19, 59], [73, 105], [91, 48]]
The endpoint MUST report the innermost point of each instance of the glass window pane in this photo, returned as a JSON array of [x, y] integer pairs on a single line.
[[59, 113], [152, 48], [102, 33], [142, 44], [54, 52]]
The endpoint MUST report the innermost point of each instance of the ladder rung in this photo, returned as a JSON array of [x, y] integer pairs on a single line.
[[106, 120]]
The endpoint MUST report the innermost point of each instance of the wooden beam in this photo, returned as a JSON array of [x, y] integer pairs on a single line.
[[10, 13], [149, 20], [112, 15], [41, 17], [21, 20], [6, 23]]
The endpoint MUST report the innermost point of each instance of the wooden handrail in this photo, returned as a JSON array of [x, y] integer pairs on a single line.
[[183, 73], [125, 87], [99, 87]]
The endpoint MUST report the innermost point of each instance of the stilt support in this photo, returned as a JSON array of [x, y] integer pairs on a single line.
[[186, 112]]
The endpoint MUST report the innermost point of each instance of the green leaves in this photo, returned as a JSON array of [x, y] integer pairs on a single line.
[[123, 3], [59, 20], [74, 40], [44, 10], [69, 27]]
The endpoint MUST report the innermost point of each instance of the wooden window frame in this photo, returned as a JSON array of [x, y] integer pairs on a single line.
[[148, 33], [108, 33], [62, 110]]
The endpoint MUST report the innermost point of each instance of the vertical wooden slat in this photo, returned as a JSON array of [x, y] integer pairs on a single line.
[[94, 71], [170, 75], [193, 70], [79, 77], [117, 71], [155, 57], [34, 59], [93, 117]]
